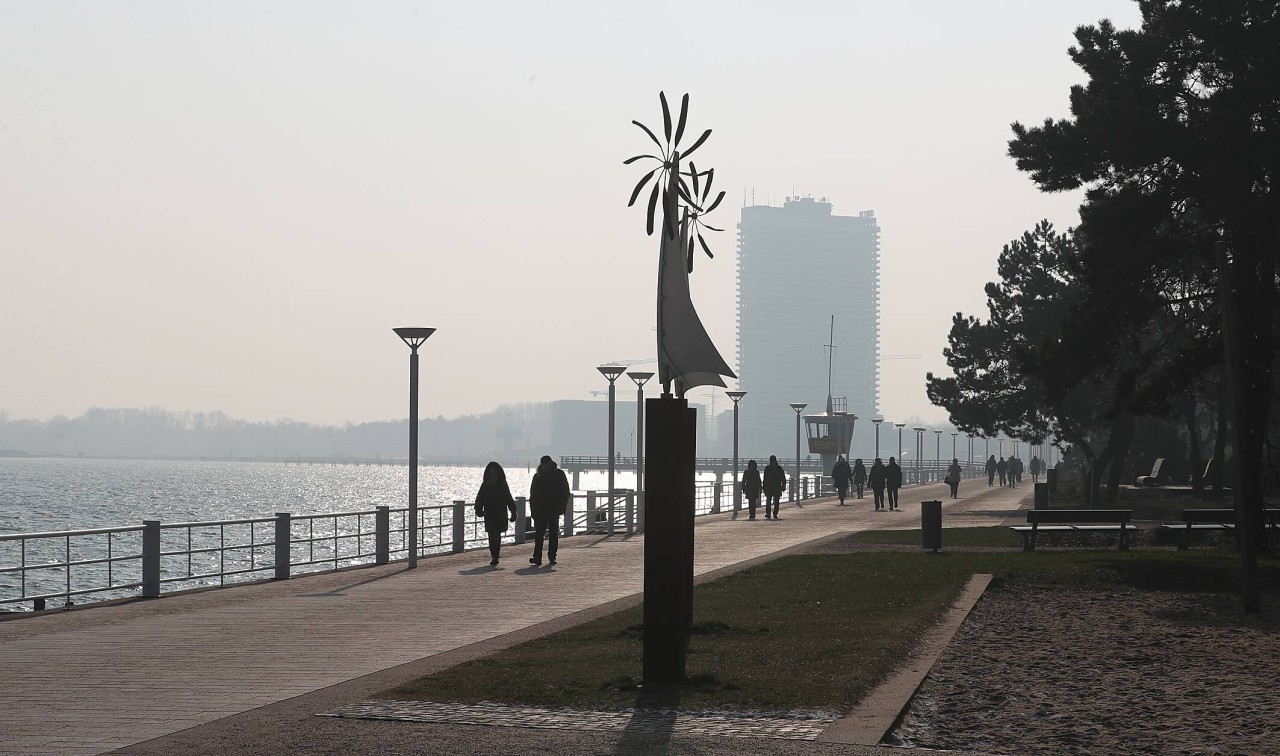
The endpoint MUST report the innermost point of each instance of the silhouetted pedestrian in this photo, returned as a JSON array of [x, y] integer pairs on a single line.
[[876, 478], [859, 476], [493, 505], [1036, 466], [991, 470], [1002, 469], [548, 498], [751, 487], [775, 482], [1015, 469], [953, 478], [892, 482], [841, 475]]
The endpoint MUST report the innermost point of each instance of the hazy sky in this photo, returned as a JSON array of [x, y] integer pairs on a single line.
[[228, 205]]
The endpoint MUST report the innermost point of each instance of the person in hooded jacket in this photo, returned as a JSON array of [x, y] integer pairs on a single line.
[[841, 475], [1002, 469], [953, 478], [775, 482], [893, 481], [877, 480], [493, 504], [548, 499], [751, 488], [991, 470], [859, 476]]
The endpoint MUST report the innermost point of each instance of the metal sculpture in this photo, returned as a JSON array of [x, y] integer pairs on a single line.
[[686, 355]]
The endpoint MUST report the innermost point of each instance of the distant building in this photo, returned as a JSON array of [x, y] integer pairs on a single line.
[[797, 266]]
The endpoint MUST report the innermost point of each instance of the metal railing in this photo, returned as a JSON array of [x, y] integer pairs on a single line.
[[37, 567]]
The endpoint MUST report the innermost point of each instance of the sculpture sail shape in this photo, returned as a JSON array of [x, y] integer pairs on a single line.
[[686, 354]]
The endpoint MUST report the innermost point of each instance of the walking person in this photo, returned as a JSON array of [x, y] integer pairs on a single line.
[[841, 475], [548, 499], [991, 470], [493, 504], [953, 477], [859, 476], [1002, 469], [1035, 469], [877, 480], [775, 482], [751, 487], [893, 481], [1015, 466]]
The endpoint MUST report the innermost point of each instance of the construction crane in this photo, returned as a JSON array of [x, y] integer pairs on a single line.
[[899, 357]]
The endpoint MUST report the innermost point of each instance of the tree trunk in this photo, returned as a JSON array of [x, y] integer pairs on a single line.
[[1122, 440], [1193, 441], [1220, 441]]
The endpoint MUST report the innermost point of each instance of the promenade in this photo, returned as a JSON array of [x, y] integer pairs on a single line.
[[97, 679]]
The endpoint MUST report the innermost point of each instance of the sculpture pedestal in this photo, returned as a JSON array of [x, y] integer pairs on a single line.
[[670, 450]]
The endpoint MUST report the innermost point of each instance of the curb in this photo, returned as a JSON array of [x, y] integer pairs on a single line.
[[882, 708]]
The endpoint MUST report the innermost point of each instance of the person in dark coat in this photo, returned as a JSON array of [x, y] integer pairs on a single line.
[[953, 478], [775, 482], [859, 476], [493, 504], [876, 478], [893, 481], [841, 475], [751, 488], [1015, 470], [991, 470], [1035, 467], [1002, 469], [548, 498]]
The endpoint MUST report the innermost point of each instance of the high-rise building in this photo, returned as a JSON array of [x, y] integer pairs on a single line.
[[797, 266]]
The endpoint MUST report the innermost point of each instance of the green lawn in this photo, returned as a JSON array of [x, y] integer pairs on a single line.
[[813, 631]]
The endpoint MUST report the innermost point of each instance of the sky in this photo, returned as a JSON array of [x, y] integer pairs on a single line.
[[229, 205]]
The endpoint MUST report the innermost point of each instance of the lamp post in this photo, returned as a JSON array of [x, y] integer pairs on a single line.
[[937, 452], [919, 454], [900, 427], [736, 396], [795, 482], [877, 421], [639, 376], [969, 463], [414, 337], [611, 372]]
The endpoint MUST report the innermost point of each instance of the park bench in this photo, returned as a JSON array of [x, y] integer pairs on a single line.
[[1216, 519], [1152, 480], [1077, 520]]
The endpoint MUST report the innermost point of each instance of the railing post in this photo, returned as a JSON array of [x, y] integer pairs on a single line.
[[631, 513], [591, 511], [804, 488], [150, 558], [715, 504], [568, 516], [382, 535], [284, 536], [522, 521], [459, 525]]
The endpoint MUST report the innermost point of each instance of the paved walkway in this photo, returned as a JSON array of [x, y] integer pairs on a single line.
[[94, 680]]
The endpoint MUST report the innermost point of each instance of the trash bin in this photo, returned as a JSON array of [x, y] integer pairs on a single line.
[[1042, 496], [931, 524], [1051, 477]]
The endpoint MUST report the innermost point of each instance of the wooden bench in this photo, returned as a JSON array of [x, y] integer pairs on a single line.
[[1078, 520], [1152, 480], [1216, 519]]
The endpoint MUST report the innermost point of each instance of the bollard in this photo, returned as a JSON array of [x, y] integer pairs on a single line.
[[931, 524], [382, 535], [1042, 496], [591, 511], [459, 526], [715, 503], [522, 520], [631, 513], [151, 558], [284, 536], [38, 605], [568, 517]]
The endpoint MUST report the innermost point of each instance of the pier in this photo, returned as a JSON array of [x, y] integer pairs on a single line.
[[245, 669]]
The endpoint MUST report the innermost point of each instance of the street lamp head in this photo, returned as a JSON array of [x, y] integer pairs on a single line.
[[612, 371], [736, 396], [900, 426], [639, 376], [877, 420], [414, 337], [919, 430], [799, 406], [940, 433]]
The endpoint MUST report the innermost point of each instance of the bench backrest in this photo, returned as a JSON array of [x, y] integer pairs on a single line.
[[1043, 516], [1155, 468], [1208, 468], [1223, 515]]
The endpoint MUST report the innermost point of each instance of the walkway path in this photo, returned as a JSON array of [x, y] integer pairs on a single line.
[[93, 680]]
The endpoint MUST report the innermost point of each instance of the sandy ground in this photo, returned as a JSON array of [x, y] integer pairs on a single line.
[[1117, 672]]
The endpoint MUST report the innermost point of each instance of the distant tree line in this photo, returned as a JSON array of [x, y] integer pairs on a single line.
[[158, 433], [1151, 326]]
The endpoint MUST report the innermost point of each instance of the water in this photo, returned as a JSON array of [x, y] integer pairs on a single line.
[[40, 495]]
